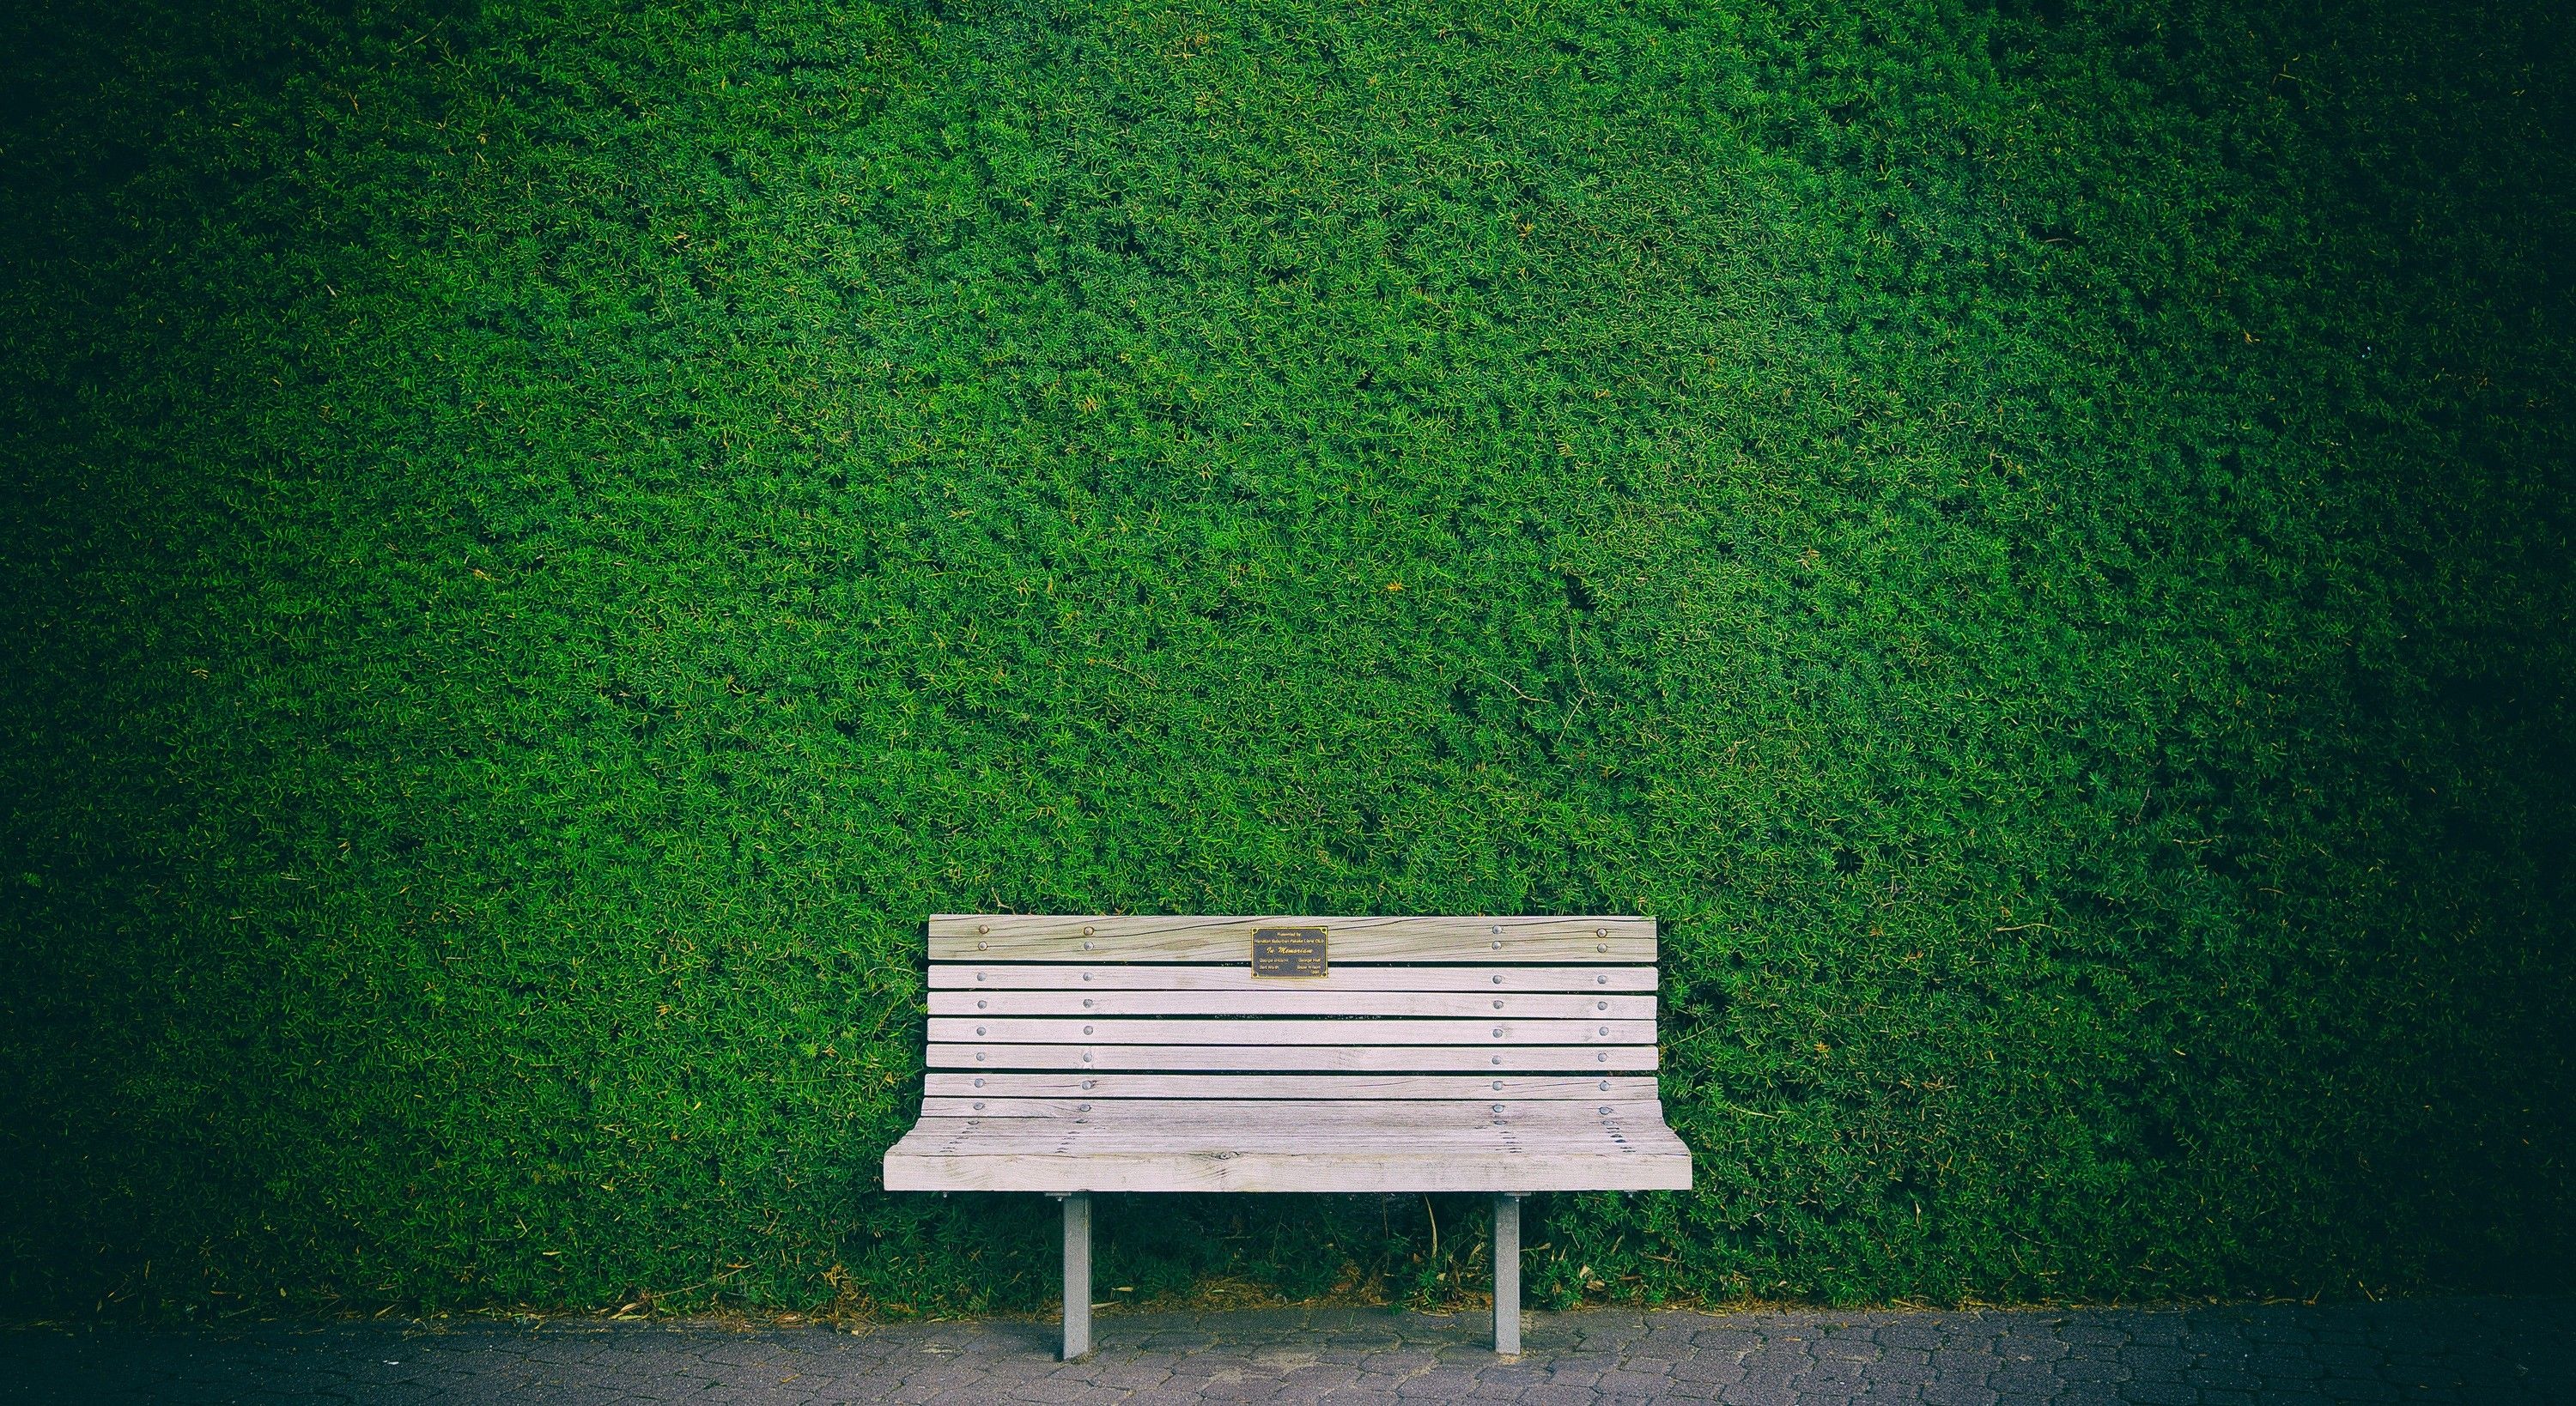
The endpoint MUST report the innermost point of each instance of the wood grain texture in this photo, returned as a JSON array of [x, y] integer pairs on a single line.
[[1126, 1133], [1474, 1005], [996, 937], [1035, 976], [1507, 1059], [1039, 1154], [1274, 1113], [1006, 1030], [1514, 1088]]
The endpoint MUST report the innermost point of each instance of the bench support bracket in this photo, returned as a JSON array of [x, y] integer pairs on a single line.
[[1077, 1274], [1507, 1273]]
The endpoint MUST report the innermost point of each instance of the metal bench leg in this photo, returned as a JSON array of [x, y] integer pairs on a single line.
[[1077, 1274], [1507, 1273]]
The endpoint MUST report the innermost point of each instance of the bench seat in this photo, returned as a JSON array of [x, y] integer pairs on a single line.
[[1187, 1145], [1072, 1055]]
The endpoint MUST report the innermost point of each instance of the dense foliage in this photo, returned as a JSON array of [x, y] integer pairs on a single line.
[[540, 540]]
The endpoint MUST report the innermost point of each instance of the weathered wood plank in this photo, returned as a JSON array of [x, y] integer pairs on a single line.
[[1470, 1005], [999, 937], [1294, 1032], [1379, 1126], [1241, 1113], [964, 976], [948, 1154], [1349, 1173], [1508, 1059], [1513, 1088]]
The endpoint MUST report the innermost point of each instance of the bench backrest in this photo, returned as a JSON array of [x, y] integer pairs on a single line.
[[1038, 1016]]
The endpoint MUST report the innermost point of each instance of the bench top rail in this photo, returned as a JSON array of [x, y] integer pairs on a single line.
[[1012, 937]]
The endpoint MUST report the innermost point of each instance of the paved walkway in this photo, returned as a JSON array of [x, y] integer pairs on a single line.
[[2467, 1351]]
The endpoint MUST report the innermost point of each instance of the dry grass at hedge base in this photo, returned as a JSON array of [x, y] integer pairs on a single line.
[[540, 541]]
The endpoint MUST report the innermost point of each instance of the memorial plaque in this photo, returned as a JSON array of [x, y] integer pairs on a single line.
[[1288, 952]]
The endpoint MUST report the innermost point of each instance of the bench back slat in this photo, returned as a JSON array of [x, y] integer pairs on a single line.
[[1373, 1059], [996, 937], [1393, 1030], [1470, 1005], [1516, 1088], [972, 976]]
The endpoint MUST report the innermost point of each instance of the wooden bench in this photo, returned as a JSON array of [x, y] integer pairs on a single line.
[[1070, 1055]]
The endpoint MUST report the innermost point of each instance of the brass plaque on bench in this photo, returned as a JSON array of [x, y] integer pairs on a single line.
[[1288, 952]]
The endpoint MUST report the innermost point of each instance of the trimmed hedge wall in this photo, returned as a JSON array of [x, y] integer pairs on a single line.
[[541, 540]]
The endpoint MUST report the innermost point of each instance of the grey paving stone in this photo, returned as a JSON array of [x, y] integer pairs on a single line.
[[2489, 1350]]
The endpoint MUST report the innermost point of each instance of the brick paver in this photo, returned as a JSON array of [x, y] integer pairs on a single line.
[[2466, 1351]]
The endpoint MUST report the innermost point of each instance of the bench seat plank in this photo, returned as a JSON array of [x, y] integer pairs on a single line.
[[1473, 1005], [1495, 1057], [1333, 1155], [1295, 1032], [1050, 976]]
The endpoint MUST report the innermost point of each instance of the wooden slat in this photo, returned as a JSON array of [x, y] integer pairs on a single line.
[[1195, 1128], [1473, 1005], [1507, 1059], [1346, 1172], [1496, 1032], [1513, 1088], [1250, 1114], [964, 976], [951, 1154], [1112, 938]]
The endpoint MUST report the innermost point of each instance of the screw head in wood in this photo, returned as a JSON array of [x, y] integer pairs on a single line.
[[979, 1005], [1087, 1030], [1498, 946], [1498, 1086], [1086, 1003], [1605, 1110], [1601, 1005], [979, 1081], [979, 1105], [980, 946], [1498, 1032], [1498, 1108], [1089, 1083], [979, 1030], [1086, 932], [1498, 978], [1604, 947], [982, 928], [1605, 1030], [1604, 1056], [1498, 1005], [1605, 1086], [979, 1056], [1498, 1059]]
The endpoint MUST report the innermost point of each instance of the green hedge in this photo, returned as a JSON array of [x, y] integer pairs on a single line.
[[542, 540]]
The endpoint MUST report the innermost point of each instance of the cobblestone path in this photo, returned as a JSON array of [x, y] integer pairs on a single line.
[[2466, 1351]]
